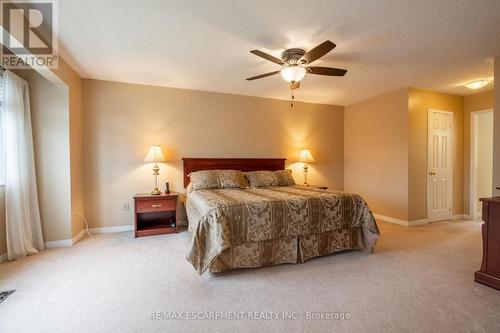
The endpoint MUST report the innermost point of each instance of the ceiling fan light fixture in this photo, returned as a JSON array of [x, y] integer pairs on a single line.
[[293, 73], [477, 84]]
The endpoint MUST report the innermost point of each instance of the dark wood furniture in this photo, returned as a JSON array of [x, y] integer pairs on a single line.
[[320, 187], [242, 164], [155, 214], [489, 274]]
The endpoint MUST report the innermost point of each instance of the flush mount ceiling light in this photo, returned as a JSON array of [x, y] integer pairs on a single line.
[[477, 84], [293, 73]]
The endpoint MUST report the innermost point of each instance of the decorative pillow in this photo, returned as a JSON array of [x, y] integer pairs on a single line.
[[208, 179], [270, 178]]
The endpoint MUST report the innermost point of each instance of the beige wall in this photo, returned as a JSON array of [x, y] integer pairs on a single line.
[[376, 152], [475, 102], [496, 129], [122, 120], [484, 155], [75, 109], [50, 123], [419, 102], [386, 151]]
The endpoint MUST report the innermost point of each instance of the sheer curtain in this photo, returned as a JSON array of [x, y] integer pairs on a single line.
[[24, 231]]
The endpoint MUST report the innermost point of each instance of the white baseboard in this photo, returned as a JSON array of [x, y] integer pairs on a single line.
[[461, 216], [415, 222], [78, 236], [96, 231], [399, 221], [111, 230], [59, 243], [391, 220], [65, 242]]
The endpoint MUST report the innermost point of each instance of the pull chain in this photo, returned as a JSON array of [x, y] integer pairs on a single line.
[[292, 98]]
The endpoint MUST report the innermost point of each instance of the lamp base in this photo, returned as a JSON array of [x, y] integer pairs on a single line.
[[156, 191], [306, 167]]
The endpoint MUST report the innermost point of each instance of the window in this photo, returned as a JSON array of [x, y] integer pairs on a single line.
[[2, 159]]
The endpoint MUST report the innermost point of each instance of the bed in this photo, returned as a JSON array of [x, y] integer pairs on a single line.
[[254, 227]]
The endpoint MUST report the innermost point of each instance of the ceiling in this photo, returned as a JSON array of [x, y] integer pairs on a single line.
[[204, 45]]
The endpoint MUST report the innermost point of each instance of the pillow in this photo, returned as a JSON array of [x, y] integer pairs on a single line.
[[270, 178], [208, 179]]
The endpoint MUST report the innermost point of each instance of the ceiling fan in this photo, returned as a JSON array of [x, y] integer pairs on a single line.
[[295, 63]]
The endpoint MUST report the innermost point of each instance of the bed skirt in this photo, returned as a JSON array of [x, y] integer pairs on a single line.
[[289, 250]]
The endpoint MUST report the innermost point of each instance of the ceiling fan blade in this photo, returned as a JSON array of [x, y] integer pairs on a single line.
[[295, 85], [318, 51], [267, 57], [262, 75], [326, 71]]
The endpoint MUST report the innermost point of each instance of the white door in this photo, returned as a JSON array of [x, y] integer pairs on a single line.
[[439, 169]]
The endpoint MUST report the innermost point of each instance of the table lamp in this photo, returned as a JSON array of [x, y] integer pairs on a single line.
[[305, 157], [155, 155]]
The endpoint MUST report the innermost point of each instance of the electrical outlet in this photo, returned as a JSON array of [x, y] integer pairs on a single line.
[[125, 206]]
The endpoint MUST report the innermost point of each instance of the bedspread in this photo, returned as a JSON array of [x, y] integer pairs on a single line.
[[222, 219]]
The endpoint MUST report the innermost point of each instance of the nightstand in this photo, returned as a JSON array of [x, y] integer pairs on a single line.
[[319, 187], [155, 214]]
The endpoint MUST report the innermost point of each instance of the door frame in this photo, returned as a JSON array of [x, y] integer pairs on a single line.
[[452, 144], [473, 213]]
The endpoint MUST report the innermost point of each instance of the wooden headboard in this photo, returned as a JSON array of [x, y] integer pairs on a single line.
[[243, 164]]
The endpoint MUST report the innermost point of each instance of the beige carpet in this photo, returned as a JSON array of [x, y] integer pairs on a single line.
[[419, 280]]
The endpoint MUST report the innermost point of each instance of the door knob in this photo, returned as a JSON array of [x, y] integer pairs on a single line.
[[432, 173]]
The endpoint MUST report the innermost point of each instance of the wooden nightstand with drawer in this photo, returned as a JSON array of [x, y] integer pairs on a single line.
[[155, 214], [319, 187]]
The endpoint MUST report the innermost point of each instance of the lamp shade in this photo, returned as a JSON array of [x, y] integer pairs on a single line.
[[293, 73], [305, 156], [155, 155]]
